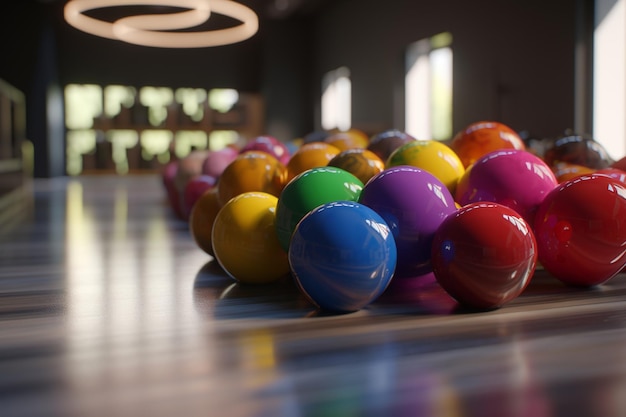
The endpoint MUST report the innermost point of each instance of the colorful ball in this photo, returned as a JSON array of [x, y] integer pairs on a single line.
[[244, 239], [168, 176], [270, 145], [564, 171], [201, 219], [514, 178], [578, 150], [414, 203], [581, 230], [484, 255], [195, 187], [349, 139], [342, 256], [310, 155], [384, 143], [481, 138], [433, 156], [360, 162], [216, 161], [309, 190], [251, 171]]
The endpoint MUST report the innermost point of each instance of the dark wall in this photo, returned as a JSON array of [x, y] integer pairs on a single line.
[[513, 60]]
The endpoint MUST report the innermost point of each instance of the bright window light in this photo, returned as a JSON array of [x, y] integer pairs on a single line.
[[83, 102], [116, 97], [428, 88], [609, 76], [187, 140], [157, 100], [223, 99], [79, 143], [337, 100], [192, 101], [156, 142], [219, 139]]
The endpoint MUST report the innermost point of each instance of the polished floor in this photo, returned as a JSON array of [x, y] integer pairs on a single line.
[[107, 308]]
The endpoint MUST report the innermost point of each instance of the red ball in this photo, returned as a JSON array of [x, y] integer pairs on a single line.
[[581, 230], [194, 188], [484, 255]]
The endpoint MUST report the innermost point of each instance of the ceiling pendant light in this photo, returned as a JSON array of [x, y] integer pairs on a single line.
[[155, 29]]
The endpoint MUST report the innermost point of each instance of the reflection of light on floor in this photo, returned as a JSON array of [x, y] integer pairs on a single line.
[[130, 317]]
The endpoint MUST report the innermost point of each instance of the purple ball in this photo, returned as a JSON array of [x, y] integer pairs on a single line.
[[511, 177], [414, 203], [271, 145]]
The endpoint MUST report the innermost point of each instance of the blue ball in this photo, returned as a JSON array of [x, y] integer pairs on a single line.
[[342, 256]]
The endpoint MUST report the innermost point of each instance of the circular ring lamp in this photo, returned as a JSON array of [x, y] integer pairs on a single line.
[[152, 29]]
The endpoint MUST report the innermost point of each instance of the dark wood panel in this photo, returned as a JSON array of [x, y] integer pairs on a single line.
[[107, 307]]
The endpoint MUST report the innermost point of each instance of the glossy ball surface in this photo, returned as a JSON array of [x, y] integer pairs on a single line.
[[349, 139], [433, 156], [216, 161], [414, 203], [514, 178], [342, 256], [245, 242], [384, 143], [564, 171], [201, 219], [195, 187], [581, 230], [309, 190], [578, 150], [484, 255], [251, 171], [361, 163], [310, 155], [481, 138], [270, 145]]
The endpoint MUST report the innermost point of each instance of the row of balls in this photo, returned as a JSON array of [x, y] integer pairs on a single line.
[[478, 219]]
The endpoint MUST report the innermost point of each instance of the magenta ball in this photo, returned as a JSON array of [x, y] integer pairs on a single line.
[[414, 203], [195, 187], [511, 177], [270, 145], [216, 161], [484, 255]]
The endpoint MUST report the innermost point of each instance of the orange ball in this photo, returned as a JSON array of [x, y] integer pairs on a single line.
[[251, 171], [349, 139], [564, 171], [361, 163], [202, 218], [310, 155], [481, 138]]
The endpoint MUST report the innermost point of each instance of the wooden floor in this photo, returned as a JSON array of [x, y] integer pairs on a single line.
[[107, 308]]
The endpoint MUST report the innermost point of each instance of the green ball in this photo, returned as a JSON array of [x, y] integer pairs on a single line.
[[309, 190]]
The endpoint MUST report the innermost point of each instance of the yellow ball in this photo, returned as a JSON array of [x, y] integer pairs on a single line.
[[432, 156], [245, 242]]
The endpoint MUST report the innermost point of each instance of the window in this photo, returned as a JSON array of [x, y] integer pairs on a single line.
[[159, 123], [337, 100], [428, 88], [609, 69]]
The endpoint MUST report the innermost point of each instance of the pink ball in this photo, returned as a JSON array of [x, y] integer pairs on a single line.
[[194, 188], [271, 145], [216, 161], [511, 177]]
